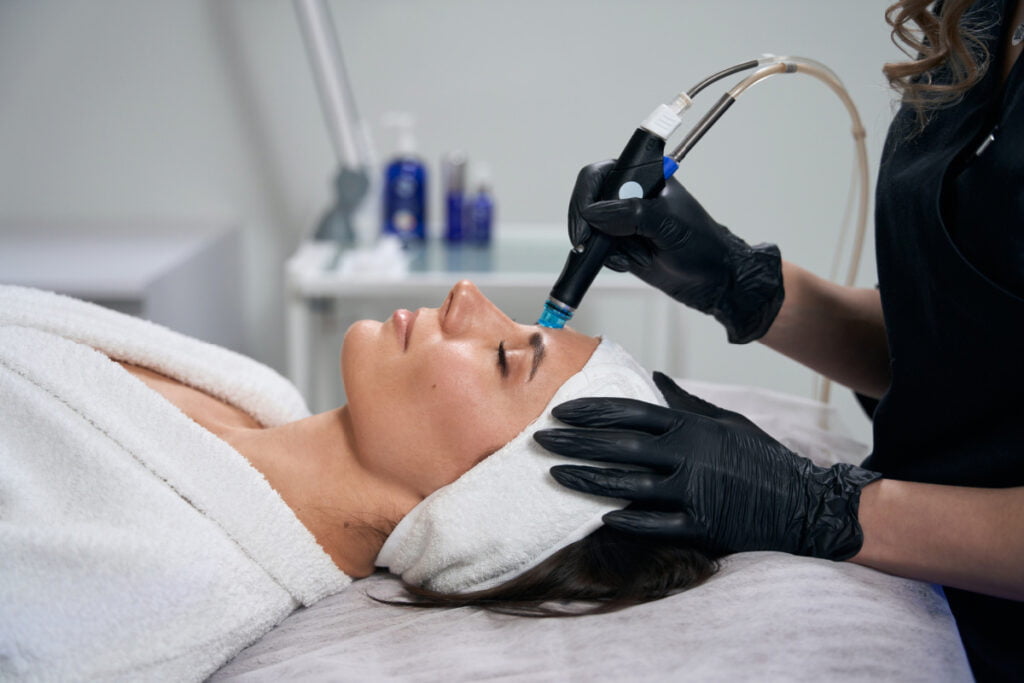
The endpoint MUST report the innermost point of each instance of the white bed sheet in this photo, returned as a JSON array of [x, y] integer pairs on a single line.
[[764, 616]]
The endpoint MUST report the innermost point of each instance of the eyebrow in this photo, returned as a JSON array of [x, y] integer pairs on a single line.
[[537, 342]]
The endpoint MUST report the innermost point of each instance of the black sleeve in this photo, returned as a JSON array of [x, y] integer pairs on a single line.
[[867, 403]]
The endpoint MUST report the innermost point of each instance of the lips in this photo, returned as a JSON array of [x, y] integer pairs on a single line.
[[404, 321]]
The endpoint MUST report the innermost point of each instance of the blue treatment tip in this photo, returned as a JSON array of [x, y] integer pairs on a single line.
[[554, 315]]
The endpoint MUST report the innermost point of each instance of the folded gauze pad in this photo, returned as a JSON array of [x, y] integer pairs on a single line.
[[508, 514]]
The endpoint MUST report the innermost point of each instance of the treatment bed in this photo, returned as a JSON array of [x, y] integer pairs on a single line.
[[763, 616], [111, 550]]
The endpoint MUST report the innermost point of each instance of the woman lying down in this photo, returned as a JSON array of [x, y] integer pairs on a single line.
[[165, 502]]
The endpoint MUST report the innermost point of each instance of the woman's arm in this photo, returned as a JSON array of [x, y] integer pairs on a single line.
[[835, 330], [956, 536]]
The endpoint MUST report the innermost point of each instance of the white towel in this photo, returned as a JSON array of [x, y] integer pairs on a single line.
[[507, 514], [134, 544]]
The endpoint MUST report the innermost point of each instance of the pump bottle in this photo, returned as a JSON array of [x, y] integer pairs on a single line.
[[480, 209], [405, 185], [454, 172]]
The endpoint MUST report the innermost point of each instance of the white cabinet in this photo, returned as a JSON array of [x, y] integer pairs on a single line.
[[186, 277]]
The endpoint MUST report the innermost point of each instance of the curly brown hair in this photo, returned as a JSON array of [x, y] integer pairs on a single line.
[[951, 40]]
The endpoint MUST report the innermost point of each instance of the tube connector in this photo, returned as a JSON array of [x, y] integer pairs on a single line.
[[663, 121], [681, 103]]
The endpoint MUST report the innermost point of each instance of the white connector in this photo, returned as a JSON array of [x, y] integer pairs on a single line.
[[665, 119]]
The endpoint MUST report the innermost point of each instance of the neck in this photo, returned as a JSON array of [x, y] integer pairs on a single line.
[[313, 464]]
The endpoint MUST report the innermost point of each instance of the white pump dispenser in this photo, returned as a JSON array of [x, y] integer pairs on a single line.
[[404, 125]]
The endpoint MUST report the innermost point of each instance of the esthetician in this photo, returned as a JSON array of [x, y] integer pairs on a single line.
[[935, 351]]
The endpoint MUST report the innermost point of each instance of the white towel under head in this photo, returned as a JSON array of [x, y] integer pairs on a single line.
[[507, 514]]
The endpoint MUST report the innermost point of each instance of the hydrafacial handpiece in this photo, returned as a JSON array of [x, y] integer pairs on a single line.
[[641, 170]]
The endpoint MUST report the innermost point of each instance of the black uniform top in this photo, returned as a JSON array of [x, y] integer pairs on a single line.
[[950, 250]]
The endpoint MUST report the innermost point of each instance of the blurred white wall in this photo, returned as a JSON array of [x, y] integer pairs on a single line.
[[200, 109]]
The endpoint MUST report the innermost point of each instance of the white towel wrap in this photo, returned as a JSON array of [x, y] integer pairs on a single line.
[[507, 514], [134, 544]]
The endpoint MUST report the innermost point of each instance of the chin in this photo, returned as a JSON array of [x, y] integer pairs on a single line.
[[358, 342]]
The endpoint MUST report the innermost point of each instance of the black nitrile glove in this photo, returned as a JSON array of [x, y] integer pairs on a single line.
[[711, 476], [672, 243]]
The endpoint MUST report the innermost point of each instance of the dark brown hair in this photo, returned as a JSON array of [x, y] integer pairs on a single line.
[[948, 42], [603, 572]]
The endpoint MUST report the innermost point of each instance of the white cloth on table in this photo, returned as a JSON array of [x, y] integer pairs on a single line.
[[134, 544]]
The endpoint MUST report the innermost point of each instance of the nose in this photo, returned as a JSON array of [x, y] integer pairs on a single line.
[[469, 309]]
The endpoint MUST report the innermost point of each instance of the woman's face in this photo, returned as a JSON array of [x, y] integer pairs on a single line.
[[432, 392]]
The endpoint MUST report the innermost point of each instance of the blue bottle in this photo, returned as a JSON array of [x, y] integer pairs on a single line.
[[454, 172], [405, 186], [480, 212]]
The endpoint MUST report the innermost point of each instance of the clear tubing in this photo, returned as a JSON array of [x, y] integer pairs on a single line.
[[859, 134], [824, 74], [811, 67], [829, 78]]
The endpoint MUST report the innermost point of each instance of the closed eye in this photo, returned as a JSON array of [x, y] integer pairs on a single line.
[[502, 359]]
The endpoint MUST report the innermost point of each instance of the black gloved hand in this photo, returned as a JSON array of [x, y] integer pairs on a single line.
[[672, 243], [713, 477]]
